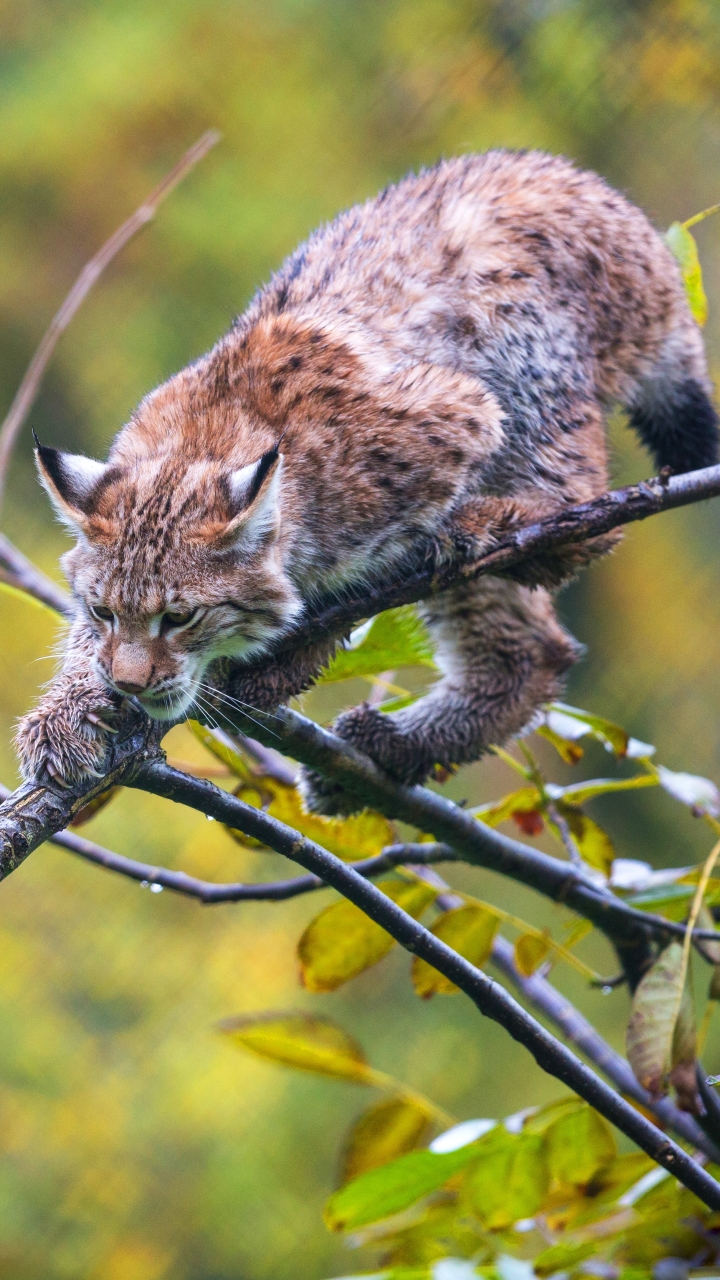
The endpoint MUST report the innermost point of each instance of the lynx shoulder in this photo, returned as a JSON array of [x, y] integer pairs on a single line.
[[452, 344]]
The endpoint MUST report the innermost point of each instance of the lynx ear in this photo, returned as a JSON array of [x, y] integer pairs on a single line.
[[70, 481], [254, 493]]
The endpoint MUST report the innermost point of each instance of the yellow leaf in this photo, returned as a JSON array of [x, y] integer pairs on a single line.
[[525, 800], [530, 951], [684, 250], [470, 931], [382, 1133], [363, 835], [342, 941], [511, 1181], [303, 1041], [569, 751], [222, 748], [594, 844]]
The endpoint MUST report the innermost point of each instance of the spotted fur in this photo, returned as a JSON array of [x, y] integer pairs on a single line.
[[435, 363]]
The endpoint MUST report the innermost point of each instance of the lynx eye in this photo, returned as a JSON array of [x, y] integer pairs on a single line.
[[180, 617], [100, 612]]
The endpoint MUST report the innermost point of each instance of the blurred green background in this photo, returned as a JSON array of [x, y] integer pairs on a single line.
[[135, 1143]]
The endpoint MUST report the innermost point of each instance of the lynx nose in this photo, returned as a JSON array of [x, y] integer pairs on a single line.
[[132, 668]]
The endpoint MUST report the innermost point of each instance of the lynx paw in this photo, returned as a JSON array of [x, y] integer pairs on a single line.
[[377, 736], [65, 738]]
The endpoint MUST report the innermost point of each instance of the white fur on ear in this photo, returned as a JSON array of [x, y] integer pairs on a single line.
[[70, 480], [255, 493]]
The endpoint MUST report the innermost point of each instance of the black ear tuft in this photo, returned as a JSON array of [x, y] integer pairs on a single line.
[[70, 479], [265, 464]]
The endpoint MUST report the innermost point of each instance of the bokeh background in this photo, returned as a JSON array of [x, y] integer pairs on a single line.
[[135, 1143]]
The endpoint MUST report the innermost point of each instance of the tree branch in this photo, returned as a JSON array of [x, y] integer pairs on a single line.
[[535, 989], [19, 572], [89, 275], [475, 843], [490, 998], [438, 570], [576, 1028]]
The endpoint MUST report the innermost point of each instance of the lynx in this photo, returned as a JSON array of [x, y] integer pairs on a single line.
[[440, 357]]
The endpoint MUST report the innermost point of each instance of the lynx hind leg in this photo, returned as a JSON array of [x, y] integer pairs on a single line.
[[502, 653]]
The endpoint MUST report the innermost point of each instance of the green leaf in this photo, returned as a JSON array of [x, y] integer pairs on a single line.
[[470, 931], [511, 1181], [387, 1130], [669, 900], [342, 941], [578, 1145], [383, 1192], [594, 844], [562, 1257], [303, 1041], [397, 638], [651, 1028], [684, 250], [613, 1179], [606, 731]]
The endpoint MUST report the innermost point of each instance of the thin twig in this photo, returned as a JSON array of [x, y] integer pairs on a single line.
[[90, 273], [488, 996]]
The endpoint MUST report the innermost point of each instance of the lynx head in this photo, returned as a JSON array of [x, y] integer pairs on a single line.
[[176, 565]]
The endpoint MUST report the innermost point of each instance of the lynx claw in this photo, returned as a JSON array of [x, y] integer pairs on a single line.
[[64, 739], [101, 724]]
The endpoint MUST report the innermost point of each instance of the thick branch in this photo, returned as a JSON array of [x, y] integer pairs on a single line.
[[51, 809], [535, 989], [490, 998], [474, 842], [573, 524]]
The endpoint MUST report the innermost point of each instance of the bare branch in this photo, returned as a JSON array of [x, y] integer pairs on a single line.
[[210, 894], [90, 273], [21, 573], [488, 996]]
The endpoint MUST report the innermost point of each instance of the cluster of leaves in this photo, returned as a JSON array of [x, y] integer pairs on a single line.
[[542, 1192], [547, 1190]]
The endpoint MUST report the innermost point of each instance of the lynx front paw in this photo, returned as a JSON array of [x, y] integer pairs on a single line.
[[376, 735], [65, 737]]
